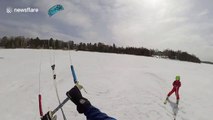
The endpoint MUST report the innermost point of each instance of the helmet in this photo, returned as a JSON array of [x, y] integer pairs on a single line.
[[177, 77]]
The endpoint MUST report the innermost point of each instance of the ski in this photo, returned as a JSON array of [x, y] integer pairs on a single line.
[[174, 116], [174, 107], [175, 111], [165, 101]]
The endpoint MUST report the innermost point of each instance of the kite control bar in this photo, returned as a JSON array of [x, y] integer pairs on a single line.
[[60, 106], [65, 100]]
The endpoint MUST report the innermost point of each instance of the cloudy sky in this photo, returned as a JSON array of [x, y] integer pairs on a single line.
[[185, 25]]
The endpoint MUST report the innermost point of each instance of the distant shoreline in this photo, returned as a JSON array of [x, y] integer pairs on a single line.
[[207, 62]]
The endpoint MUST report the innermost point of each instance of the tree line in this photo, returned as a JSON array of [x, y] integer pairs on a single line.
[[37, 43]]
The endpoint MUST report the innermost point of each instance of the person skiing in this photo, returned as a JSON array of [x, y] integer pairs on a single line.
[[176, 85], [83, 106]]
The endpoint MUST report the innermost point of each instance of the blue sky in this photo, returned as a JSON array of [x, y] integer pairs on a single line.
[[185, 25]]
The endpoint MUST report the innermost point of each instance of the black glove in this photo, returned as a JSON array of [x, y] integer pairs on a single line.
[[76, 97], [48, 116]]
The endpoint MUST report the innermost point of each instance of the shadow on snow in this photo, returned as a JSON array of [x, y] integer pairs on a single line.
[[174, 107]]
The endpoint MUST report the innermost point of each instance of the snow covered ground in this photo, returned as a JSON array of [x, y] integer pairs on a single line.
[[126, 87]]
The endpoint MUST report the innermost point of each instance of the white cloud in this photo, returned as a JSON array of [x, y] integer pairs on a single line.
[[162, 24], [202, 13]]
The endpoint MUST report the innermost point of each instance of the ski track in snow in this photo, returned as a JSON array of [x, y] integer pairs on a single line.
[[126, 87]]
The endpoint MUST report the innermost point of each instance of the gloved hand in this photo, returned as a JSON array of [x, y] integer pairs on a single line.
[[76, 97], [48, 116]]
